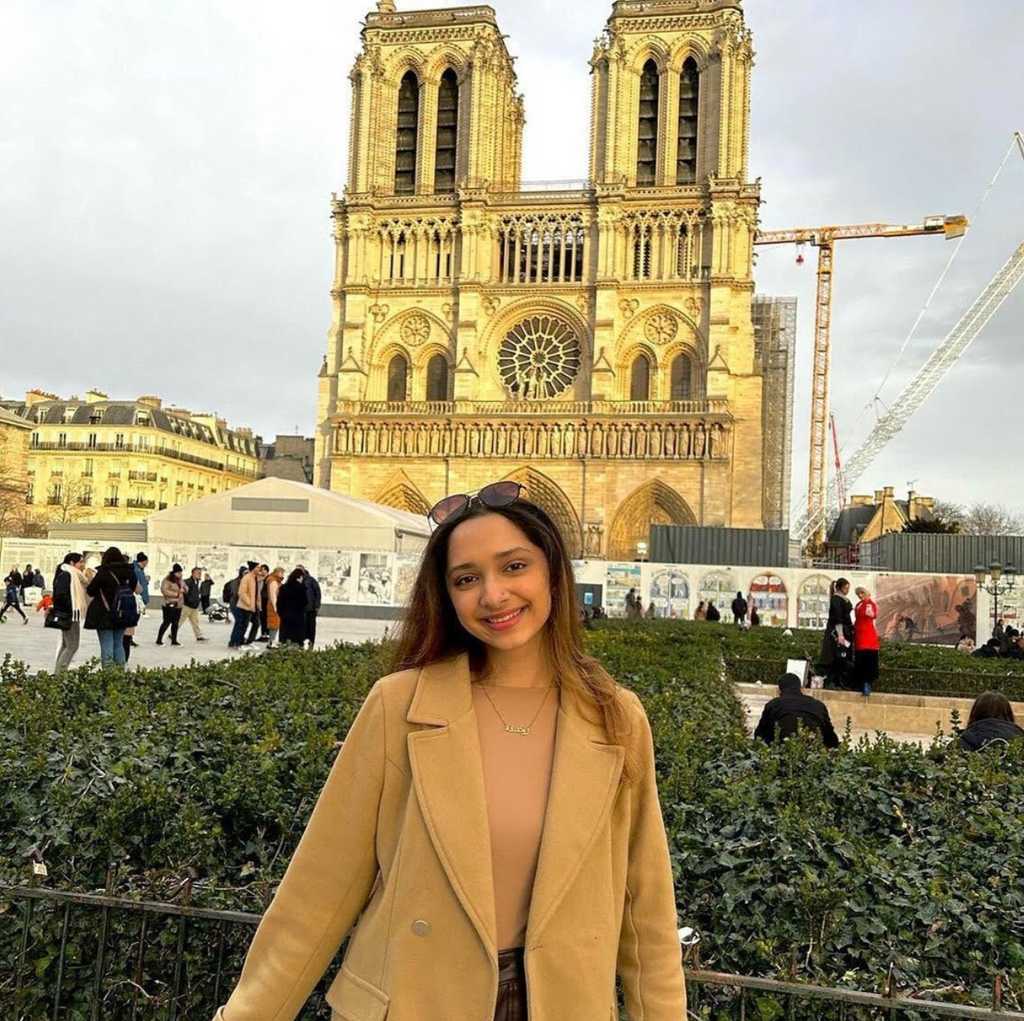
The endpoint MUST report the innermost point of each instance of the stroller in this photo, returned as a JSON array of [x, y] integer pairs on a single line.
[[218, 611]]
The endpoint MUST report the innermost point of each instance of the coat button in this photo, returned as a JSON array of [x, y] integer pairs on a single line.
[[421, 928]]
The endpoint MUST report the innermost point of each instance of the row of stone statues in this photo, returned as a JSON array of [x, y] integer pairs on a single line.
[[659, 440]]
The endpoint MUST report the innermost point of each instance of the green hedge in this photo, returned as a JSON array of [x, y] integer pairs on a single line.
[[212, 770]]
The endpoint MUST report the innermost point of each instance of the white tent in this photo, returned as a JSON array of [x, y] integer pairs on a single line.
[[283, 513]]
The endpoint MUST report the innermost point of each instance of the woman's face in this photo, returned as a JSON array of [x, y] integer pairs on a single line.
[[499, 583]]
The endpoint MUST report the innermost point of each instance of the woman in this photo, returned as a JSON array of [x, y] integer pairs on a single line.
[[701, 613], [172, 590], [865, 641], [291, 609], [837, 643], [493, 811], [991, 720], [70, 598], [114, 574], [274, 582]]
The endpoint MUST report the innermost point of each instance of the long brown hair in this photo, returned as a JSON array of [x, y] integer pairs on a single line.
[[991, 705], [430, 630]]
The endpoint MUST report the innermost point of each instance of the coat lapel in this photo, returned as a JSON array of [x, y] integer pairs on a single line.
[[449, 781], [584, 781]]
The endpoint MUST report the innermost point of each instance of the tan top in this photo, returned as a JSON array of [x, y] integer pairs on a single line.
[[517, 776]]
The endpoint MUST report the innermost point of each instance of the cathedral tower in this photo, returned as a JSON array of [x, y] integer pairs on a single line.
[[595, 344]]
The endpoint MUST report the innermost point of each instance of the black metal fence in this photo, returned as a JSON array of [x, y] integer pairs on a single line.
[[85, 957]]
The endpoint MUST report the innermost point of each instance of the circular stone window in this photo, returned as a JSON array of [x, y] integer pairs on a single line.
[[539, 358]]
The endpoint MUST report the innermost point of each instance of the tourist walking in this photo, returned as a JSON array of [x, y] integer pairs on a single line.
[[274, 581], [172, 590], [739, 609], [70, 600], [191, 600], [12, 595], [205, 591], [113, 589], [292, 600], [837, 642], [313, 602], [245, 604], [141, 563], [865, 641], [493, 810], [257, 618]]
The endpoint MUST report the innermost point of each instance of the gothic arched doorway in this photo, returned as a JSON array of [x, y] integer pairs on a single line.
[[550, 497], [654, 503]]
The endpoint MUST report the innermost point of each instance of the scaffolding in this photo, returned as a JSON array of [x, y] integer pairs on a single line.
[[774, 321]]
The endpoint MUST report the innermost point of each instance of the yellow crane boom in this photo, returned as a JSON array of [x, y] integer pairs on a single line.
[[824, 239]]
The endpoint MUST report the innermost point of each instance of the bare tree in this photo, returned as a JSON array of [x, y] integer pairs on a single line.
[[991, 519], [67, 501]]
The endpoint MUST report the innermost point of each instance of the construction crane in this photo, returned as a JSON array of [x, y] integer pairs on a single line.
[[839, 463], [824, 238], [916, 392]]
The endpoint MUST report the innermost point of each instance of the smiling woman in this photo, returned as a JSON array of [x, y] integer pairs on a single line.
[[494, 804]]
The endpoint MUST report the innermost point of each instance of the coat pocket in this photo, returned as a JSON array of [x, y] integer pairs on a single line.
[[354, 999]]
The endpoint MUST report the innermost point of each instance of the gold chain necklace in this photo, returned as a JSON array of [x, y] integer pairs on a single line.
[[511, 728]]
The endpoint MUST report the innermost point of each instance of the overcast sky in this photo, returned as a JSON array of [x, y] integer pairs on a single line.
[[166, 172]]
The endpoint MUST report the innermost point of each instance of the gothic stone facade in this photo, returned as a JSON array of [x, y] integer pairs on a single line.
[[594, 343]]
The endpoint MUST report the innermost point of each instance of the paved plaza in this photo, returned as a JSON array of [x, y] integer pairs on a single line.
[[37, 646]]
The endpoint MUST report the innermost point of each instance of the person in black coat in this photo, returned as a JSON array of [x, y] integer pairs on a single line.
[[739, 609], [291, 608], [114, 571], [313, 601], [712, 613], [991, 720], [783, 716], [837, 642]]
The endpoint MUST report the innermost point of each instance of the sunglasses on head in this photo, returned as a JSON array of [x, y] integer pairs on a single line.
[[497, 494]]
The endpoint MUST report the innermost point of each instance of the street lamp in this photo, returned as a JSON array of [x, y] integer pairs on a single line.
[[1002, 580]]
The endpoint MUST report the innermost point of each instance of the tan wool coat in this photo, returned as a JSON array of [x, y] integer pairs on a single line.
[[399, 846]]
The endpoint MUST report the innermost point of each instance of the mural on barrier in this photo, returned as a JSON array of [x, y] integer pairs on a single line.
[[934, 609], [670, 593], [913, 607], [768, 593]]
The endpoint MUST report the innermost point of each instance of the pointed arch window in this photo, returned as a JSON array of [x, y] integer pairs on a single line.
[[398, 379], [437, 378], [689, 104], [408, 134], [446, 152], [682, 378], [640, 379], [647, 136]]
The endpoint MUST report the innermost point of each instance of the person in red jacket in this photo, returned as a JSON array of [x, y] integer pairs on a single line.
[[865, 640]]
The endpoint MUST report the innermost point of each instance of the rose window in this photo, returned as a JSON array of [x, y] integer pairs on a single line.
[[539, 358]]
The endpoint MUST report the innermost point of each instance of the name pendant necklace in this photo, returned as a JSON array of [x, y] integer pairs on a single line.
[[512, 728]]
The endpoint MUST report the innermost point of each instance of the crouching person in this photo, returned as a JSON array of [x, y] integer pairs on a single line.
[[792, 709]]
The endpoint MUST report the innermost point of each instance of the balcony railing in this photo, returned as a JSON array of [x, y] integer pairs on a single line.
[[141, 504], [142, 476], [149, 451], [111, 501]]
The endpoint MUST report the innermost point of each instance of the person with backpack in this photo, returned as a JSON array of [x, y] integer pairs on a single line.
[[172, 589], [113, 607]]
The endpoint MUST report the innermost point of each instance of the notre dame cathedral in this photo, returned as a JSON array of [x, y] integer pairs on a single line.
[[596, 344]]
